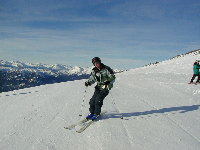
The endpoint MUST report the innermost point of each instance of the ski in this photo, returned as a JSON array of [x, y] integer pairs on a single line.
[[193, 83], [80, 122], [88, 123], [75, 124]]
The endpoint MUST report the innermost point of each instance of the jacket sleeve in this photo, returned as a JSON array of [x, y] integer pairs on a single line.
[[91, 79], [111, 75]]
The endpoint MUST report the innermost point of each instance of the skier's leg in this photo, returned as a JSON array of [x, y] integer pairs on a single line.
[[193, 77], [92, 101], [99, 101], [198, 80]]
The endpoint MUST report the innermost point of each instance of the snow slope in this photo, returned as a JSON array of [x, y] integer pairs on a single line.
[[160, 110]]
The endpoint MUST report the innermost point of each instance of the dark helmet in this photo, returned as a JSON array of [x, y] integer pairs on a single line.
[[96, 59]]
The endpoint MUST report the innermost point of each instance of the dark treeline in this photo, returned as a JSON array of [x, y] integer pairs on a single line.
[[14, 80]]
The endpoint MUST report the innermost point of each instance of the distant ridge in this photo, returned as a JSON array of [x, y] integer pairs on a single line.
[[16, 75], [194, 52]]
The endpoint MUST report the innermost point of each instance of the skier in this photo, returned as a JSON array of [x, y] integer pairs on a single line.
[[104, 76], [196, 68]]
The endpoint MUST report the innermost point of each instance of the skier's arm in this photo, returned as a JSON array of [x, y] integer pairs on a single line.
[[91, 80], [111, 75], [111, 78]]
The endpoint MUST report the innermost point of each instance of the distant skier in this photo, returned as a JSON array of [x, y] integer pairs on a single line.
[[104, 76], [196, 68]]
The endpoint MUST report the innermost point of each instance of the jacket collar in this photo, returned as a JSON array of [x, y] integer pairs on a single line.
[[102, 66]]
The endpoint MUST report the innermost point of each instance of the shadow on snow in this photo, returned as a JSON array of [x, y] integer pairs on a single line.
[[181, 109]]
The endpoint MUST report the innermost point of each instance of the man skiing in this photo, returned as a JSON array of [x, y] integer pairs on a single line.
[[196, 68], [104, 76]]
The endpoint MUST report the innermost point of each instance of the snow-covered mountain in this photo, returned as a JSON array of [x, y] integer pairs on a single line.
[[42, 68], [17, 75], [160, 112]]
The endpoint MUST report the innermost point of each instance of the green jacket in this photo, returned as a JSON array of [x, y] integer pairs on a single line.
[[104, 77], [196, 68]]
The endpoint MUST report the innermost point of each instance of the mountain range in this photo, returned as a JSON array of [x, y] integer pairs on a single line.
[[16, 75]]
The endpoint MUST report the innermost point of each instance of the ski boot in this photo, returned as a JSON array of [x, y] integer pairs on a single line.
[[94, 117], [89, 116]]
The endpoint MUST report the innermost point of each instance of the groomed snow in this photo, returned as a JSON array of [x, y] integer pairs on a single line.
[[160, 112]]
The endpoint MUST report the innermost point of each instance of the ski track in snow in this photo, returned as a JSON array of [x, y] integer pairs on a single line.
[[174, 122], [167, 85], [51, 121], [130, 138]]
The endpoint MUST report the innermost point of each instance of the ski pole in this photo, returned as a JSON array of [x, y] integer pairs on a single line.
[[83, 101]]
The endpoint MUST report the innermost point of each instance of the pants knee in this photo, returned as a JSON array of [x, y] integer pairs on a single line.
[[92, 102], [99, 103]]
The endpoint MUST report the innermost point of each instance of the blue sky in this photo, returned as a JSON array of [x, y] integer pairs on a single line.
[[124, 33]]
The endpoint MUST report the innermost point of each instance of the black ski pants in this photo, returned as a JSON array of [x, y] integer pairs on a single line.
[[194, 76], [96, 102]]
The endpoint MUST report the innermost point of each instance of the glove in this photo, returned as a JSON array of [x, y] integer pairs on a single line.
[[107, 82], [87, 84]]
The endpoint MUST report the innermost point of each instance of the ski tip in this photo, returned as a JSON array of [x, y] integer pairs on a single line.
[[67, 128]]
